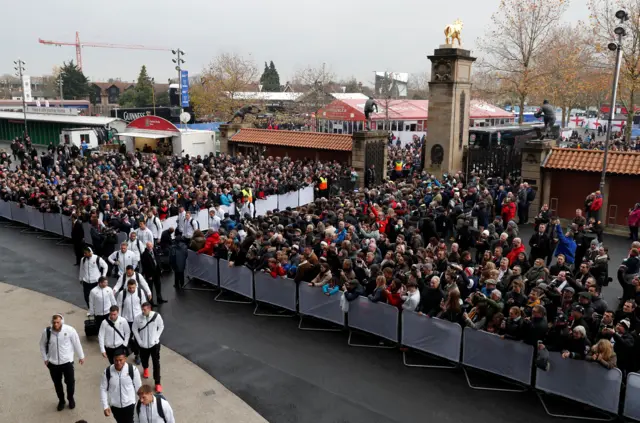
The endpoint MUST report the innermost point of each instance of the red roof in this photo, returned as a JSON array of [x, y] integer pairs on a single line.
[[353, 110], [622, 162], [315, 140]]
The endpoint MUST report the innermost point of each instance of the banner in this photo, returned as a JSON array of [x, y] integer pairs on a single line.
[[19, 214], [66, 226], [53, 223], [583, 381], [305, 196], [376, 318], [431, 335], [278, 291], [87, 233], [632, 398], [36, 220], [314, 303], [171, 222], [229, 209], [203, 219], [203, 267], [269, 203], [5, 209], [236, 279], [289, 199], [486, 351]]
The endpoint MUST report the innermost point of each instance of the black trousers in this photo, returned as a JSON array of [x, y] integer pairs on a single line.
[[87, 287], [111, 353], [123, 415], [78, 250], [100, 319], [156, 284], [154, 353], [178, 279], [133, 344], [57, 372]]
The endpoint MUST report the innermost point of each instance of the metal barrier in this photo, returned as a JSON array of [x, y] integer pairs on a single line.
[[437, 337], [280, 292], [510, 359], [5, 209], [582, 381], [53, 223], [66, 226], [632, 397], [19, 214], [202, 267], [235, 279], [87, 233], [36, 219], [314, 303], [375, 318]]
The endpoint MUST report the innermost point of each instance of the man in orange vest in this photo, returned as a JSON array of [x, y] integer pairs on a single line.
[[323, 186]]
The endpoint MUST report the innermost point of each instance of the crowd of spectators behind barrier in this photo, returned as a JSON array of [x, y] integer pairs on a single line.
[[447, 247], [586, 139]]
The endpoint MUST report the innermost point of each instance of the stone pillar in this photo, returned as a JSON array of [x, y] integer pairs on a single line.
[[449, 104], [227, 131], [360, 142], [533, 155]]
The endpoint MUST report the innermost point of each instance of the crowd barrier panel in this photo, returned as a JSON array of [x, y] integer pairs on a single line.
[[632, 397], [87, 233], [36, 220], [19, 214], [66, 226], [437, 337], [53, 223], [314, 303], [203, 267], [487, 351], [279, 291], [229, 209], [170, 222], [289, 199], [305, 196], [203, 219], [375, 318], [582, 381], [237, 279], [5, 209], [269, 203]]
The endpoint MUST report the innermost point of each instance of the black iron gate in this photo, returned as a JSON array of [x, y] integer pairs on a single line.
[[502, 161], [374, 155]]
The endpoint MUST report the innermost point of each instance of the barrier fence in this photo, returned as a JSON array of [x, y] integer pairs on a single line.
[[577, 380]]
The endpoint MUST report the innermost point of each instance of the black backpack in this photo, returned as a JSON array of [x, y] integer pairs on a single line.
[[46, 347], [158, 404], [108, 373], [84, 259], [122, 287], [124, 295]]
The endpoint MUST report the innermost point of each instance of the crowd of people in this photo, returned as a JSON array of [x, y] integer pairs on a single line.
[[586, 139]]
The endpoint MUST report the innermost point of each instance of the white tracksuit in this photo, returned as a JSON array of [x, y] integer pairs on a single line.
[[131, 304], [124, 259], [62, 345], [149, 336], [100, 300], [149, 413], [122, 391], [123, 279], [90, 269], [107, 336]]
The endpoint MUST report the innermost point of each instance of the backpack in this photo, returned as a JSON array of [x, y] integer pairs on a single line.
[[108, 373], [124, 295], [123, 286], [159, 406], [46, 347], [84, 259]]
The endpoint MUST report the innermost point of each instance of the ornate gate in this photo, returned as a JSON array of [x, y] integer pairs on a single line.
[[502, 161], [374, 155]]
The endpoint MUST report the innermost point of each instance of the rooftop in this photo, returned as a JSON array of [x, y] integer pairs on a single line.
[[620, 162], [315, 140], [78, 120]]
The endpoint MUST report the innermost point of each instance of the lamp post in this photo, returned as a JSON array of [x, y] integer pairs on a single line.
[[153, 94], [61, 93], [178, 61], [19, 72], [617, 47]]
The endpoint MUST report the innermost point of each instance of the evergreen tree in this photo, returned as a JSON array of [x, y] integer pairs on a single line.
[[141, 95], [75, 84], [270, 80]]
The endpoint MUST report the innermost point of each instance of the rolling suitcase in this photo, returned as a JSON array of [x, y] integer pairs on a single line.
[[91, 326]]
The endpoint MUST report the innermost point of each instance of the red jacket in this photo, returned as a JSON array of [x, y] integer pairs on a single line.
[[508, 212], [210, 244], [634, 218], [513, 254], [596, 204], [277, 271]]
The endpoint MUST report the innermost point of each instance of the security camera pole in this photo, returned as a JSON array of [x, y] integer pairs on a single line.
[[19, 71], [617, 47]]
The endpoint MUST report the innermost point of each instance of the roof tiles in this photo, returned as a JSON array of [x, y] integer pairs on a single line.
[[298, 139], [621, 162]]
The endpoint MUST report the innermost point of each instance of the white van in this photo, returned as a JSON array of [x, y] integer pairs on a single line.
[[75, 136]]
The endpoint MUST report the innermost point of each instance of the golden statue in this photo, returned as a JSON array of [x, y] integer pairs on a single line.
[[452, 32]]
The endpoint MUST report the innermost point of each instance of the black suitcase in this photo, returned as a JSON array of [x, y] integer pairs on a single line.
[[91, 327]]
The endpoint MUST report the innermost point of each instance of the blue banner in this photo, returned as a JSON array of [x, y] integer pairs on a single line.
[[184, 88]]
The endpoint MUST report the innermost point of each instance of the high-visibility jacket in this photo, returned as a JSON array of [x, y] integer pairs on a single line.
[[398, 166], [248, 194], [323, 184]]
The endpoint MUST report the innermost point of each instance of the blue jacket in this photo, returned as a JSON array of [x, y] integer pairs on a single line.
[[566, 246], [226, 200]]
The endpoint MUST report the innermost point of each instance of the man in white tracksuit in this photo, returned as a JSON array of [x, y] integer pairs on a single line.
[[101, 299], [130, 301], [114, 333], [129, 273], [144, 234], [91, 268], [58, 344], [154, 224], [147, 328], [118, 387], [152, 408], [190, 226], [214, 220], [124, 258], [135, 245]]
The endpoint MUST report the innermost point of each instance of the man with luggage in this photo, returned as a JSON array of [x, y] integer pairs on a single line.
[[114, 334], [130, 301], [92, 268], [118, 387], [129, 274], [58, 345], [147, 328], [101, 299], [152, 408], [123, 258]]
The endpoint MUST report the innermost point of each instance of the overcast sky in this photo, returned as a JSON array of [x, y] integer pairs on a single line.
[[353, 37]]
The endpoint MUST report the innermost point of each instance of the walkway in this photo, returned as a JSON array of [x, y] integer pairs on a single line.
[[28, 394]]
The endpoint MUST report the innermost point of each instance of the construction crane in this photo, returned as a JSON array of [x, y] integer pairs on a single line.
[[79, 46]]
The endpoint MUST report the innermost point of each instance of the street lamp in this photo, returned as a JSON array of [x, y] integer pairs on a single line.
[[153, 94], [19, 73], [617, 47], [178, 61]]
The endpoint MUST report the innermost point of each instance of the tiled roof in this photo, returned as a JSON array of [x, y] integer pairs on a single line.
[[622, 162], [315, 140]]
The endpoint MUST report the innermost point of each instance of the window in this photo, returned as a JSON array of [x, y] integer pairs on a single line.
[[84, 137], [419, 127], [413, 127], [114, 93], [394, 125]]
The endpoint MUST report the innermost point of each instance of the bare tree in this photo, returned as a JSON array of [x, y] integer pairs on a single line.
[[315, 81], [522, 30], [418, 86], [217, 93]]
